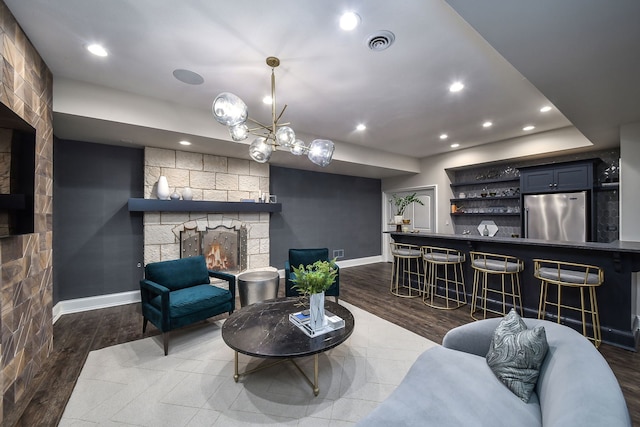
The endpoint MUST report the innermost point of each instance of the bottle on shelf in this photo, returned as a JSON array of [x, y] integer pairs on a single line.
[[485, 230]]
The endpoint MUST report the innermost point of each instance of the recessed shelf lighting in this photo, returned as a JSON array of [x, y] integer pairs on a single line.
[[487, 124], [528, 128], [97, 50], [455, 145], [361, 127], [184, 142], [444, 136], [349, 21], [545, 109], [456, 87]]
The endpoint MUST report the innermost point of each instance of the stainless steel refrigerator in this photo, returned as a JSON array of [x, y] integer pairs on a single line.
[[559, 216]]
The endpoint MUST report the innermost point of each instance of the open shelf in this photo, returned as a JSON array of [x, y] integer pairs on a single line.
[[155, 205], [486, 181]]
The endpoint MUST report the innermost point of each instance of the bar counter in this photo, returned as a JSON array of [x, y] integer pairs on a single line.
[[616, 296]]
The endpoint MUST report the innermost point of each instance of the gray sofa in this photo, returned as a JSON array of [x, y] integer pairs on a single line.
[[452, 385]]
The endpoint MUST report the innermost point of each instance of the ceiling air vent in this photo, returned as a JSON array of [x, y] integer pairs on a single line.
[[380, 40]]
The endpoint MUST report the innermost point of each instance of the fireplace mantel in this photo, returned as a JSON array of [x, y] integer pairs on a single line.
[[155, 205]]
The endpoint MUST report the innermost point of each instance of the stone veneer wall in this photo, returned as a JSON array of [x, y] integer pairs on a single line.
[[212, 178], [26, 261]]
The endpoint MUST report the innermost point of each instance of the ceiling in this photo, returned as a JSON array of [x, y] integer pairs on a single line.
[[581, 57]]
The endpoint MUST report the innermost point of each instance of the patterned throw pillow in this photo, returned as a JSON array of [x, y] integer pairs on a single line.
[[516, 354]]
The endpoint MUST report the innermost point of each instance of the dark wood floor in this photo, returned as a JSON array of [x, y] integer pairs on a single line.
[[75, 335]]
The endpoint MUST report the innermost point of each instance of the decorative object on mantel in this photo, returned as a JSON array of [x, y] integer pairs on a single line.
[[162, 188], [312, 280], [187, 194], [229, 110]]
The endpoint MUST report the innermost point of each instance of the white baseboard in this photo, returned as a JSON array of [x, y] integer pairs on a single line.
[[112, 300], [94, 303]]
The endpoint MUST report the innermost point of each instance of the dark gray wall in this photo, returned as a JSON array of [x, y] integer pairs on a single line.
[[97, 243], [325, 210]]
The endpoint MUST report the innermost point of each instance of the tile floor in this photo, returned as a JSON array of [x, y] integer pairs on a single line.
[[134, 384]]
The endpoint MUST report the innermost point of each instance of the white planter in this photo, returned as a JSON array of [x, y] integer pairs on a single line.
[[162, 189], [316, 311], [397, 219], [187, 194]]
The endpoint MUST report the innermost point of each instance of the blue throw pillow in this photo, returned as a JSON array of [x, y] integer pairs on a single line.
[[516, 354]]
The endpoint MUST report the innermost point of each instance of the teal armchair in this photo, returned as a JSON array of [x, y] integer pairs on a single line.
[[306, 257], [177, 293]]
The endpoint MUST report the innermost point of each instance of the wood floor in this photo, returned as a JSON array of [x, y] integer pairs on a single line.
[[75, 335]]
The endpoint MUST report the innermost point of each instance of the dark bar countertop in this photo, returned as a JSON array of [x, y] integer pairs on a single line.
[[616, 296]]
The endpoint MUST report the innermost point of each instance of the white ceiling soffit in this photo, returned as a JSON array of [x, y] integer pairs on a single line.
[[330, 80], [584, 56]]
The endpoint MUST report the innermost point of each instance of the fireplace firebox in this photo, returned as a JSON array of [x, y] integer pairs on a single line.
[[224, 248]]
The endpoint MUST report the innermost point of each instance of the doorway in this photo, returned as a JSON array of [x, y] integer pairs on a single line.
[[423, 217]]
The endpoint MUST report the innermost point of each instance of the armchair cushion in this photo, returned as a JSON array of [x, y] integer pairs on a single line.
[[191, 300]]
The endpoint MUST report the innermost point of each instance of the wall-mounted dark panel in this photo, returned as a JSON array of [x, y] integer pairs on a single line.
[[97, 242], [325, 210]]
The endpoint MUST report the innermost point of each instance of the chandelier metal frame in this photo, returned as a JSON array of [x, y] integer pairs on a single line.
[[230, 110]]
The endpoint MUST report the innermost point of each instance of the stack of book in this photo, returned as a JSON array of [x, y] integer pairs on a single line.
[[302, 320]]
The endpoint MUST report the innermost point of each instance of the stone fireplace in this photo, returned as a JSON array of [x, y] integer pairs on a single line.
[[212, 178]]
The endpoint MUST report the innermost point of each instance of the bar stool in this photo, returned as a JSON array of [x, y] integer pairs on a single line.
[[486, 265], [438, 263], [406, 263], [571, 275]]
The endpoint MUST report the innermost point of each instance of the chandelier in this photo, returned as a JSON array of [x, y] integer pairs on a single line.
[[229, 110]]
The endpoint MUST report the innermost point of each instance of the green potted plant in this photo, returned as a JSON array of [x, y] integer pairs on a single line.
[[401, 204], [312, 280]]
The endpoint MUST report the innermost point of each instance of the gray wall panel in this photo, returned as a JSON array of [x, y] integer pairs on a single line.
[[97, 243], [325, 210]]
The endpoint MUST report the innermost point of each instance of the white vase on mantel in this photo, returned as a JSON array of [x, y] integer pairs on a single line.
[[162, 188], [397, 219], [187, 194], [317, 319]]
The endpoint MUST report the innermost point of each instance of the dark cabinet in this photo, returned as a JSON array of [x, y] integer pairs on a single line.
[[554, 178]]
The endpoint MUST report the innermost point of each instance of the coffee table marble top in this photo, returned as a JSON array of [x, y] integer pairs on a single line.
[[264, 330]]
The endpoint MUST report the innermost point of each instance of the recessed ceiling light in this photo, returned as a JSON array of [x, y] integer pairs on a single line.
[[184, 142], [487, 124], [97, 50], [267, 100], [349, 21], [456, 145], [545, 109], [528, 128], [456, 87], [444, 136], [361, 127]]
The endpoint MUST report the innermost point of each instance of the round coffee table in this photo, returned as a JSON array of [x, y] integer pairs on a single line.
[[264, 330]]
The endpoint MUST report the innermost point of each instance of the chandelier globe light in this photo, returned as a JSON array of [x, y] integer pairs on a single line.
[[229, 110]]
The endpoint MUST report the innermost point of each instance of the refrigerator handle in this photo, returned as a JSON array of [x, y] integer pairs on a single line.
[[526, 222]]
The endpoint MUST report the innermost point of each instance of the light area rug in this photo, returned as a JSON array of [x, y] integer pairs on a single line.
[[134, 384]]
